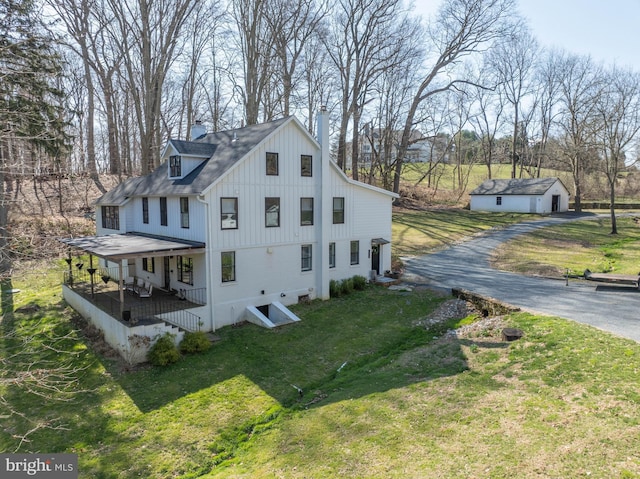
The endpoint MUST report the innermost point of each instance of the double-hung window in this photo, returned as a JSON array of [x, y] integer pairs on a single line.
[[306, 164], [145, 210], [149, 265], [163, 211], [185, 270], [228, 266], [184, 212], [306, 257], [306, 211], [355, 252], [498, 200], [338, 210], [110, 217], [228, 213], [175, 166], [271, 212]]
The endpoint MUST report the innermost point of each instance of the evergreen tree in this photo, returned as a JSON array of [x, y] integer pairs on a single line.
[[31, 117]]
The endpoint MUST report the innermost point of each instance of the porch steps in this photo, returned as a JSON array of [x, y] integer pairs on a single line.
[[279, 315], [172, 328]]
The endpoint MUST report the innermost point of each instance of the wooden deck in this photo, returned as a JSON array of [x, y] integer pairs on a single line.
[[140, 310]]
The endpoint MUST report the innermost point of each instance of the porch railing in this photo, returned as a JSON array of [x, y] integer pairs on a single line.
[[83, 274], [161, 306]]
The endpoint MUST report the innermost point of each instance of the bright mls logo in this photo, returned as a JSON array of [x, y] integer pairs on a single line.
[[49, 466]]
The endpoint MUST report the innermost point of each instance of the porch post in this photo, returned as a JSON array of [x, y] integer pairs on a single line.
[[120, 286], [91, 273]]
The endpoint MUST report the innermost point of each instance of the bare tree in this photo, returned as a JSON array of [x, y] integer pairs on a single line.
[[580, 82], [254, 45], [460, 116], [489, 117], [545, 97], [618, 112], [292, 25], [391, 90], [147, 34], [76, 15], [433, 122], [460, 29], [319, 82], [514, 61], [367, 38]]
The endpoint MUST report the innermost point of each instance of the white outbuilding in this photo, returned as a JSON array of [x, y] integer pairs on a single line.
[[530, 195]]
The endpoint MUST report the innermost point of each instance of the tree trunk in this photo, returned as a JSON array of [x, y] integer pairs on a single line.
[[612, 206], [5, 262], [514, 141], [355, 144]]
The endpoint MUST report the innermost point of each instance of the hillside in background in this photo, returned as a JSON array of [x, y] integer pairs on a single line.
[[46, 208]]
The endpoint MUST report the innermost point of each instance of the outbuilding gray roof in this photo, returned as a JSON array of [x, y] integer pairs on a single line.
[[515, 186], [222, 149]]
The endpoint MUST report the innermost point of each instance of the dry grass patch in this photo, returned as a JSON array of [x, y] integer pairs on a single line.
[[573, 247]]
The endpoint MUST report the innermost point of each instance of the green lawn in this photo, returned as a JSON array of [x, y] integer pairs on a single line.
[[574, 246], [383, 395], [418, 232]]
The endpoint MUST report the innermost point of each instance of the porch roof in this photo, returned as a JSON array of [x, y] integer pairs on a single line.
[[133, 245]]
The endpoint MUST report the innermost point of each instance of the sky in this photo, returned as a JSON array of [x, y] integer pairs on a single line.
[[605, 29]]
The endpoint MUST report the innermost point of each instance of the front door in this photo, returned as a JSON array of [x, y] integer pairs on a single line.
[[555, 202], [375, 258]]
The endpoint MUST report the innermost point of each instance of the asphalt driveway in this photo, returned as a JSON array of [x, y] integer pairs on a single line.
[[465, 265]]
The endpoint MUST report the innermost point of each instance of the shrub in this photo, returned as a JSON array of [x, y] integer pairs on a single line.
[[346, 286], [164, 351], [194, 342], [359, 282], [334, 288]]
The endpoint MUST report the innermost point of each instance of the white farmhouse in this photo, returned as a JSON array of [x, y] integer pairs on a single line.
[[530, 195], [237, 224]]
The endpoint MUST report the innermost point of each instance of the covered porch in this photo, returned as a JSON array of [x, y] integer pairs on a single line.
[[127, 298]]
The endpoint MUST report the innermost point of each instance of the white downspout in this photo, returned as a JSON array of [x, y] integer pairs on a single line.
[[208, 261]]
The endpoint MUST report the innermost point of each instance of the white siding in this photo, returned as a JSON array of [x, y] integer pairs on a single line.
[[197, 225], [249, 183], [540, 204], [268, 260], [510, 203]]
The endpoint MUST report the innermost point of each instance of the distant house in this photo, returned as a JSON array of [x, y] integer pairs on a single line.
[[382, 146], [237, 224], [531, 195]]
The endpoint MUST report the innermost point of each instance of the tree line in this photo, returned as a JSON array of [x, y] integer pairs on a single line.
[[470, 83]]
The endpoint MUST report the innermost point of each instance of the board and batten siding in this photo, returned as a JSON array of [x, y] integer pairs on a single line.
[[197, 225], [249, 183]]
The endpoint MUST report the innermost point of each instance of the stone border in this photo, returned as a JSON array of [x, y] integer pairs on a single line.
[[486, 305]]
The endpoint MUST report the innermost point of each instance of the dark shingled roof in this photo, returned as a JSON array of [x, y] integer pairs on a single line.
[[529, 186], [194, 148], [222, 149]]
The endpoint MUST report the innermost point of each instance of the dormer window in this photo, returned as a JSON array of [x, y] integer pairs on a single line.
[[175, 166]]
